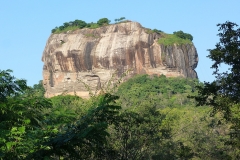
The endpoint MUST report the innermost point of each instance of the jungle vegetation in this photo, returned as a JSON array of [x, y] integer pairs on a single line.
[[148, 117]]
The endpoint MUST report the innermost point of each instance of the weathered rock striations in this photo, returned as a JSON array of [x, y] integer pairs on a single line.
[[90, 57]]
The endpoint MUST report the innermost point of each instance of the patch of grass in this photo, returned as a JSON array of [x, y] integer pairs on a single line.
[[73, 28], [94, 26], [89, 35], [69, 28], [170, 39], [150, 31]]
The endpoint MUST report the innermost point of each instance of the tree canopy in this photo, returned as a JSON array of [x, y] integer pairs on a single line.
[[183, 35], [103, 21], [21, 116], [226, 86], [223, 94]]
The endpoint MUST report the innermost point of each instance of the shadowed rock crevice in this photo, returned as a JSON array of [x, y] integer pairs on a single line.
[[87, 55]]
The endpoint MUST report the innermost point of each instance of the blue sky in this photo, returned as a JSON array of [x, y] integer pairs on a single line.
[[26, 26]]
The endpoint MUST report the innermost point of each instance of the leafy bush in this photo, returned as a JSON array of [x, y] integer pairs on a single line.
[[183, 35], [66, 108], [103, 21], [79, 23], [86, 138], [21, 116]]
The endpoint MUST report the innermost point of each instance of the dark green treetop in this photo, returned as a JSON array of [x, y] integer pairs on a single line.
[[183, 35], [103, 21], [223, 94]]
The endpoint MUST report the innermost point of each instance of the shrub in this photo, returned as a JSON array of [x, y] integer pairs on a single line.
[[103, 21], [183, 35], [81, 24]]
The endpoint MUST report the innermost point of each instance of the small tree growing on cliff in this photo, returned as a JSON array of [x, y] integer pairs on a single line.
[[79, 23], [183, 35], [119, 20], [116, 20], [122, 18], [103, 21]]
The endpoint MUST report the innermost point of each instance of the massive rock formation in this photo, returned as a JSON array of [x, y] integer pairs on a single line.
[[90, 57]]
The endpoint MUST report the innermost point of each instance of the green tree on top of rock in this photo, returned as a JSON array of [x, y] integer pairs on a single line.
[[103, 21], [120, 19], [183, 35], [79, 23]]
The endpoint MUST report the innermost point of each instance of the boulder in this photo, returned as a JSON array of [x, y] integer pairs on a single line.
[[78, 61]]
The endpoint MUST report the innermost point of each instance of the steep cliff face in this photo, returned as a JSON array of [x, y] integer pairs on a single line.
[[83, 57]]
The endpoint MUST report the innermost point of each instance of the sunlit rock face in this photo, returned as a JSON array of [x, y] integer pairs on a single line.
[[90, 57]]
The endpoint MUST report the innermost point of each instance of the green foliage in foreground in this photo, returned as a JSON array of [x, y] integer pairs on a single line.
[[149, 117], [186, 125], [66, 109], [21, 117], [86, 137], [223, 94]]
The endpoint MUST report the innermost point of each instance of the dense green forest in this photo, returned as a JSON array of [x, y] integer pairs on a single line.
[[149, 117], [146, 117]]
